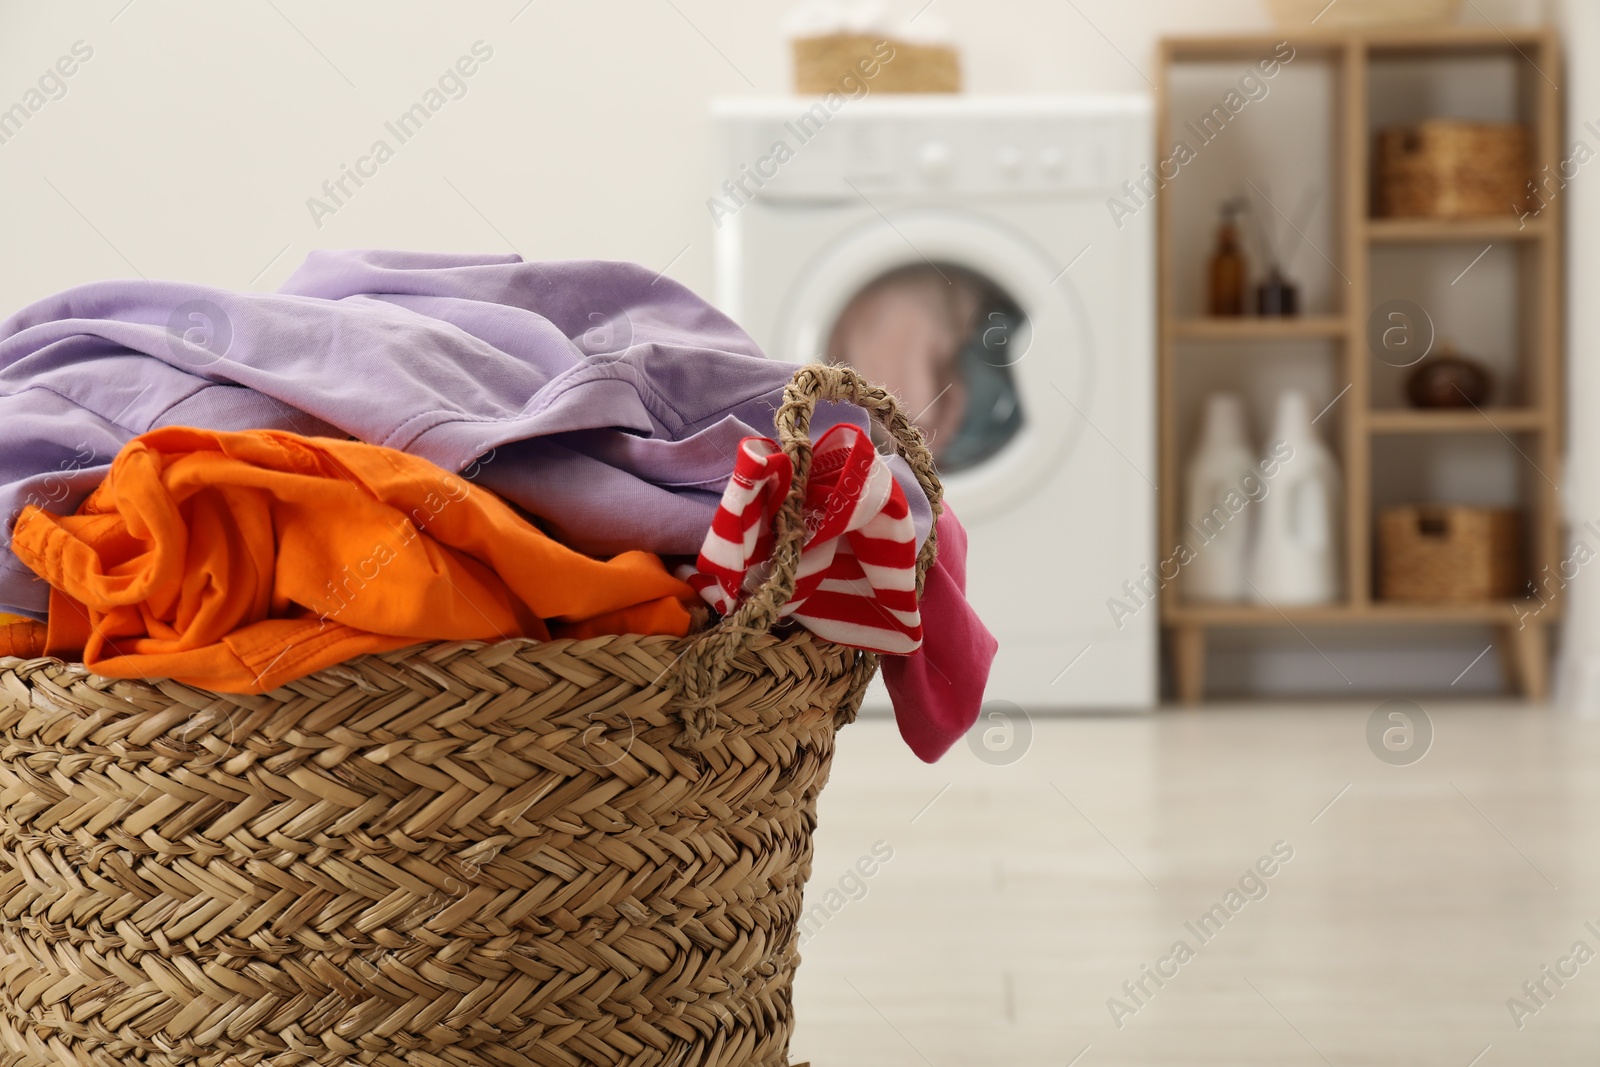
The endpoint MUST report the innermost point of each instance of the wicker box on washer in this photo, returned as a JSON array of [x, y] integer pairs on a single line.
[[572, 853], [1449, 553], [821, 64]]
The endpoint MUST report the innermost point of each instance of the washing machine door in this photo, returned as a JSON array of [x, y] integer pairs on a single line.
[[973, 327]]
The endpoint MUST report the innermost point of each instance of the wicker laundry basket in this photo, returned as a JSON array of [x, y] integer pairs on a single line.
[[566, 853]]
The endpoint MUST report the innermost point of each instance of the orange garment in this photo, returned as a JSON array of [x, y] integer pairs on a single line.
[[237, 562], [21, 637]]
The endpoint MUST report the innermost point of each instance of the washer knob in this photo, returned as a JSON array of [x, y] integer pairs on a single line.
[[935, 161], [1010, 161], [1052, 161]]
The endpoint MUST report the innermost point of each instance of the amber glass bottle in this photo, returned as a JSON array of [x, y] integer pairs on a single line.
[[1228, 281]]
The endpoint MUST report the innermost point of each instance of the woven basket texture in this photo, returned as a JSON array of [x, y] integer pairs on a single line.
[[1449, 553], [1451, 170], [822, 63], [560, 854]]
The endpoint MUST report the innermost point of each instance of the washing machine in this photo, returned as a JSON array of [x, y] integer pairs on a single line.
[[965, 252]]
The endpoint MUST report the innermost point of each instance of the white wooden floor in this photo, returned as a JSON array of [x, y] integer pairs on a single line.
[[1020, 898]]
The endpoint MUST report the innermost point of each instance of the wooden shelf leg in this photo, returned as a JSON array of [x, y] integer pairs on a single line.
[[1189, 663], [1525, 654]]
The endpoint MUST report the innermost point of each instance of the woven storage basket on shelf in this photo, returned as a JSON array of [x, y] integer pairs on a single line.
[[1449, 553], [1354, 14], [822, 65], [565, 853], [1451, 170]]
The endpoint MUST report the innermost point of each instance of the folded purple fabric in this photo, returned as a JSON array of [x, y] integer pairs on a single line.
[[604, 399]]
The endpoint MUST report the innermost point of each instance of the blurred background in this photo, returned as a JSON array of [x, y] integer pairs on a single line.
[[1248, 337], [197, 141]]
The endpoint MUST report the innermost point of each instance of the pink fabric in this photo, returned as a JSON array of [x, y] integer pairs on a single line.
[[937, 691]]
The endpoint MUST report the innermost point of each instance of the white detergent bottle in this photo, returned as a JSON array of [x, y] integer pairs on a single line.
[[1217, 511], [1295, 559]]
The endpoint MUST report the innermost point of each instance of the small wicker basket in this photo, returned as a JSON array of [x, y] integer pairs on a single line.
[[1453, 170], [1362, 13], [822, 65], [1449, 554], [557, 854]]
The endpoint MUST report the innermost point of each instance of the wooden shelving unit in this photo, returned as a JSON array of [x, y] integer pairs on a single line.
[[1468, 420], [1532, 421], [1426, 231]]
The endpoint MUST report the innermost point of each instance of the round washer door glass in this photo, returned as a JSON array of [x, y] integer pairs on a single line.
[[1039, 359], [943, 338]]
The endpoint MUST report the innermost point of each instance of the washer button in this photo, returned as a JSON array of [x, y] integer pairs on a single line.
[[935, 161]]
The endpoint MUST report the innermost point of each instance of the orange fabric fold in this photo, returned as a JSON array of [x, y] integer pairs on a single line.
[[237, 562], [21, 637]]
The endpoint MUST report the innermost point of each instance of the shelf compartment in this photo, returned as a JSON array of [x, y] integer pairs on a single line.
[[1505, 612], [1479, 300], [1457, 420], [1443, 231], [1258, 329]]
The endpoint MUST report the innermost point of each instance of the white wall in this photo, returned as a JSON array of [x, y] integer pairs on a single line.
[[188, 145], [1579, 676]]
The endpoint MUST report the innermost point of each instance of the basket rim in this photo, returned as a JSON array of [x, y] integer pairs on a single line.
[[341, 673]]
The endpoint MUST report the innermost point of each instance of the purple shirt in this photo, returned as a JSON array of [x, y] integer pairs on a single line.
[[604, 400]]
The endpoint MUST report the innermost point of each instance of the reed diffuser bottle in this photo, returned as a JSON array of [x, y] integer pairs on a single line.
[[1229, 273], [1278, 296]]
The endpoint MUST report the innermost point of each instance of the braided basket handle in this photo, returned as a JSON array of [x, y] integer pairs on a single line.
[[706, 660]]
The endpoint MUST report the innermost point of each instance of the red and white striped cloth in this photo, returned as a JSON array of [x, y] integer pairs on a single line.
[[857, 579]]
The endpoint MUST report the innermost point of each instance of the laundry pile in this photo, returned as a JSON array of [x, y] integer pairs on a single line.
[[237, 489]]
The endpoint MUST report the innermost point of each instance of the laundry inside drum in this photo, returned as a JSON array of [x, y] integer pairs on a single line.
[[945, 340]]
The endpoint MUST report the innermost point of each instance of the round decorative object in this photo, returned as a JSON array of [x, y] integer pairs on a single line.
[[1449, 381]]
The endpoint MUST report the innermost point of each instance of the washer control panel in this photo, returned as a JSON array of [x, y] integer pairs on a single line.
[[803, 149]]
